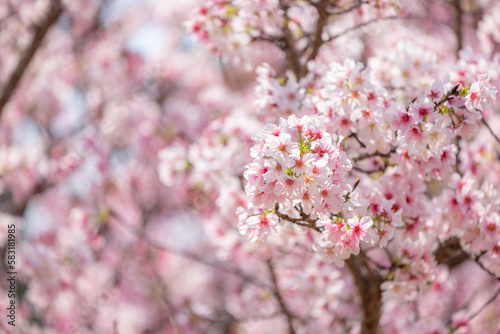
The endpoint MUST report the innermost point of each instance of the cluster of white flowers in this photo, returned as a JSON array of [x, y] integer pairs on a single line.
[[295, 163]]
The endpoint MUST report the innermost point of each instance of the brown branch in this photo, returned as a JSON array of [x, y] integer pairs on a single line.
[[361, 25], [457, 28], [318, 35], [311, 223], [9, 205], [448, 96], [348, 9], [291, 53], [375, 154], [41, 30], [490, 130], [279, 298], [278, 40], [465, 304], [450, 253], [347, 196], [368, 285], [457, 156], [366, 171], [489, 301], [287, 42], [355, 136], [480, 264]]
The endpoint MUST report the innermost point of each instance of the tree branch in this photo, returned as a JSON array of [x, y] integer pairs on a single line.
[[348, 9], [164, 295], [448, 96], [355, 136], [320, 25], [480, 264], [489, 129], [489, 301], [311, 223], [368, 285], [367, 282], [193, 257], [458, 25], [279, 298], [292, 56], [450, 253], [361, 25], [41, 30]]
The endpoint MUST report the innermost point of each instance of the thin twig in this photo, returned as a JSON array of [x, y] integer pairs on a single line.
[[375, 154], [311, 223], [355, 136], [164, 296], [489, 301], [297, 221], [279, 298], [362, 170], [361, 25], [41, 30], [489, 129], [347, 196], [477, 260], [466, 303], [193, 257], [448, 96], [348, 9]]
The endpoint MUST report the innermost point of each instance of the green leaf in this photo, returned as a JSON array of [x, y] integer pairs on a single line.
[[231, 10]]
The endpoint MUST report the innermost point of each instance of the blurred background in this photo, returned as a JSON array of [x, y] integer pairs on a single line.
[[115, 233]]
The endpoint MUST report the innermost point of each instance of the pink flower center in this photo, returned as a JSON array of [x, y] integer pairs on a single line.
[[264, 221], [424, 112], [356, 230]]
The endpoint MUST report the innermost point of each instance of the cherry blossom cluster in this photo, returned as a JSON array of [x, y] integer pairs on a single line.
[[476, 210], [341, 238], [342, 94], [350, 99], [298, 165], [229, 27], [297, 162], [369, 202]]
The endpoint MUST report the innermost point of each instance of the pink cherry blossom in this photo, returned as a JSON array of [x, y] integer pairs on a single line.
[[234, 166]]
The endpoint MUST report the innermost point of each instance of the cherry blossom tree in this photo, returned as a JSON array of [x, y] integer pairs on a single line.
[[251, 166]]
